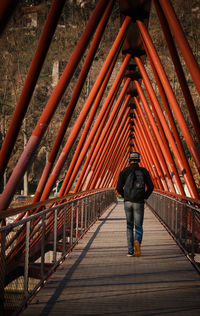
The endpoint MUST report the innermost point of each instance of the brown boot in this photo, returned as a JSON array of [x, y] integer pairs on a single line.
[[137, 250]]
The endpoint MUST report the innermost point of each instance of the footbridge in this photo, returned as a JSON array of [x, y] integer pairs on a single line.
[[67, 253]]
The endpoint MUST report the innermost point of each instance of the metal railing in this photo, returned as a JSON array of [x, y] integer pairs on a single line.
[[33, 247], [182, 220]]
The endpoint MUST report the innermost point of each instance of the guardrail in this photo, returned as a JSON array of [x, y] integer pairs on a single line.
[[182, 220], [33, 247]]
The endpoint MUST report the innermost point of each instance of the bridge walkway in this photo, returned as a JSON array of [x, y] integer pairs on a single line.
[[97, 278]]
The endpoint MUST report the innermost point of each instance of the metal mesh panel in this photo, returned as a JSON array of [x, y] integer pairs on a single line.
[[33, 247], [182, 219]]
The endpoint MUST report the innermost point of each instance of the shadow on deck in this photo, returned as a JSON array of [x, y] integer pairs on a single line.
[[97, 278]]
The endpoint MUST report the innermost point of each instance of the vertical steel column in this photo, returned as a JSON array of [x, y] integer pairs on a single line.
[[181, 161], [180, 119], [48, 112], [60, 162], [73, 101], [179, 69], [181, 41]]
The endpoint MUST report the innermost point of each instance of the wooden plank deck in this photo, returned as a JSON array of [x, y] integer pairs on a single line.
[[97, 278]]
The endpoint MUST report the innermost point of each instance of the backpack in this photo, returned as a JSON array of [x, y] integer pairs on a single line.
[[134, 188]]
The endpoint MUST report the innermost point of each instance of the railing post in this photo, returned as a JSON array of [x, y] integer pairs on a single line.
[[55, 236], [3, 265], [82, 214], [193, 233], [176, 220], [77, 219], [72, 224], [181, 224], [86, 212], [43, 245], [26, 264], [64, 231]]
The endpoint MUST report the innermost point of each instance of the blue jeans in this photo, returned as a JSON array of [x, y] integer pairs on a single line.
[[134, 218]]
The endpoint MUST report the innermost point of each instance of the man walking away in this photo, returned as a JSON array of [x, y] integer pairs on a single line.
[[135, 186]]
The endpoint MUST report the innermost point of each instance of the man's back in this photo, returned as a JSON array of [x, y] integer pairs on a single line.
[[125, 175]]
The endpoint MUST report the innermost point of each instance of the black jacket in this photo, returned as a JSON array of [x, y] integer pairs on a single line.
[[123, 176]]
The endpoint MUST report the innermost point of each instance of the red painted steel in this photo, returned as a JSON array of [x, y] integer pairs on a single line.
[[168, 90], [30, 82], [144, 153], [122, 161], [119, 152], [101, 118], [73, 101], [80, 152], [48, 112], [86, 163], [147, 162], [181, 161], [179, 69], [149, 151], [107, 135], [59, 165], [157, 154], [167, 109], [166, 152], [99, 139], [112, 158], [155, 150], [107, 131], [100, 121], [181, 41], [118, 129]]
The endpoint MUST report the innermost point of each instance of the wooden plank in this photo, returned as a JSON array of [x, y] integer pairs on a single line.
[[97, 278]]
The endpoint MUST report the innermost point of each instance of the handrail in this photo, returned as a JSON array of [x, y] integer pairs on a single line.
[[179, 197], [22, 209], [182, 220], [33, 247]]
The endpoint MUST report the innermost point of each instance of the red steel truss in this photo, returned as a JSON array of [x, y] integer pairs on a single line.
[[131, 117]]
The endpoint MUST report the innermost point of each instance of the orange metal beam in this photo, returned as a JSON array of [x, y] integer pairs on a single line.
[[73, 101], [181, 41], [180, 119], [179, 70], [181, 161]]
